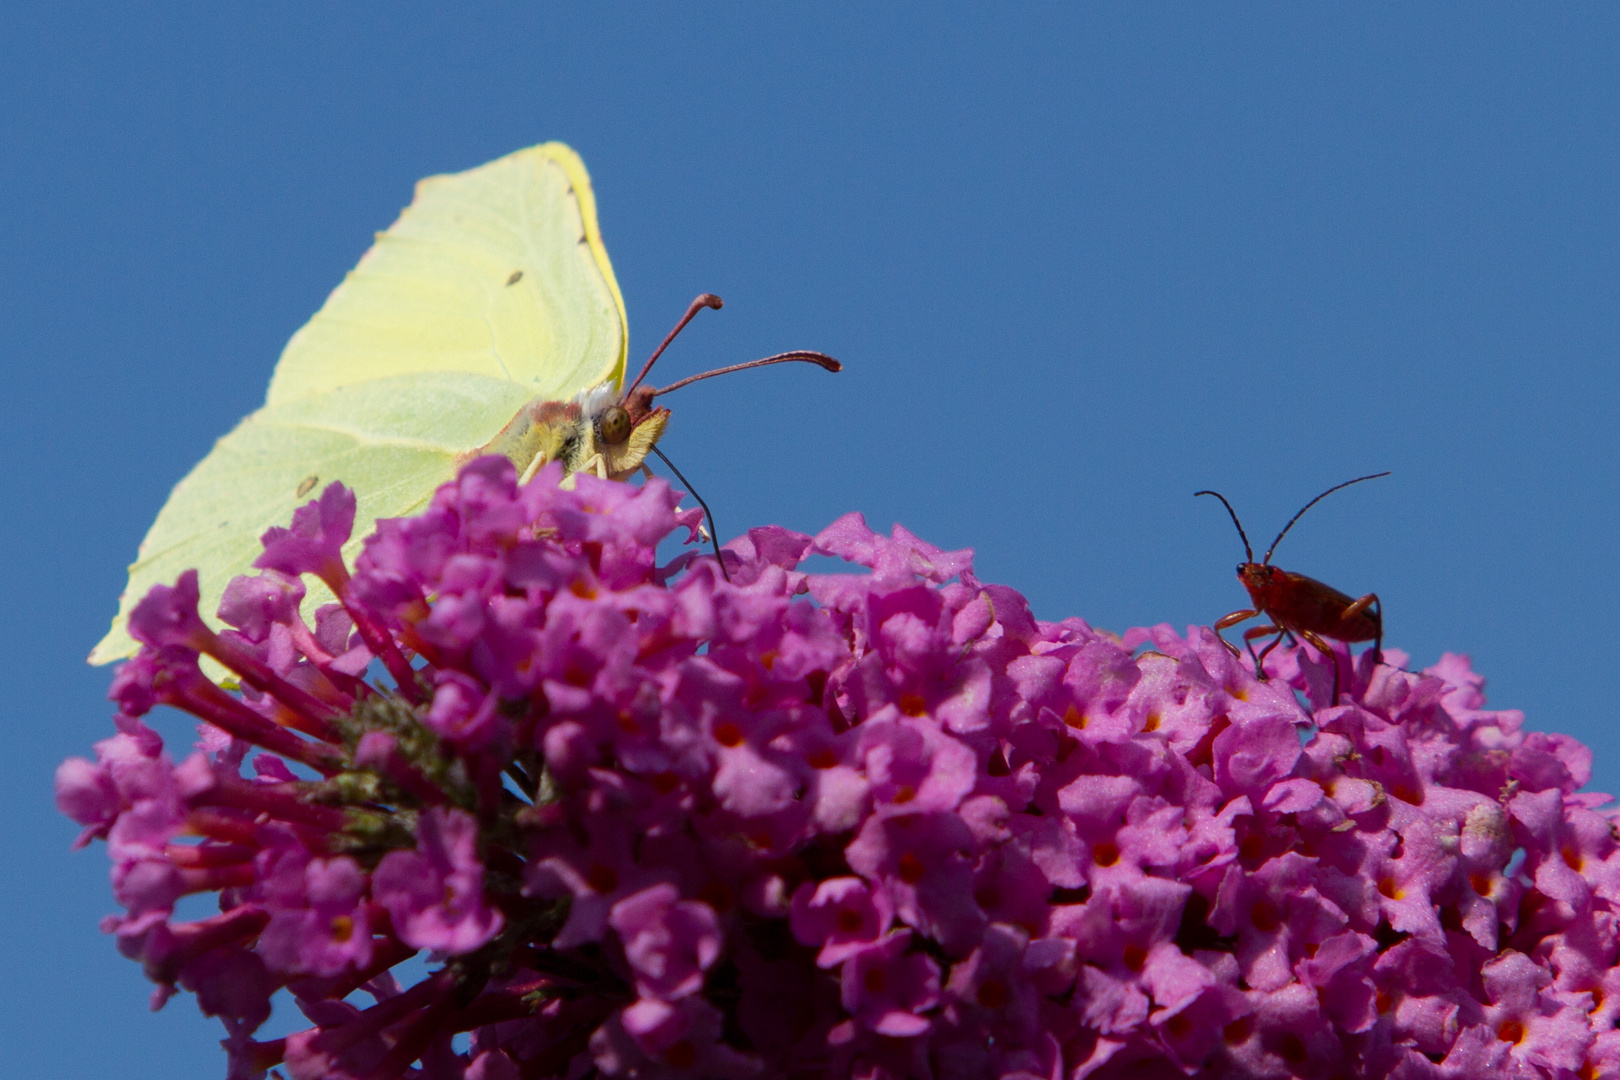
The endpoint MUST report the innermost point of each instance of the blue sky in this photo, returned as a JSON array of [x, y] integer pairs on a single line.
[[1078, 266]]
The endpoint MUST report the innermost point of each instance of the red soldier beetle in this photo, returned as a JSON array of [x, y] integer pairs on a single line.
[[1299, 606]]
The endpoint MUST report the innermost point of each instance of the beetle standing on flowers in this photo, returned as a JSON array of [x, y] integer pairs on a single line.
[[1299, 606]]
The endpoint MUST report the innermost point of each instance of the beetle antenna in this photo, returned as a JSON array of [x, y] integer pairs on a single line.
[[1248, 552], [821, 359], [1313, 502], [714, 537], [707, 300]]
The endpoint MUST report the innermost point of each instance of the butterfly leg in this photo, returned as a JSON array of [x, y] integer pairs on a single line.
[[535, 466], [596, 465]]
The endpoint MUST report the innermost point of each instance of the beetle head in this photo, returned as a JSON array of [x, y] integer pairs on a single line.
[[1259, 579]]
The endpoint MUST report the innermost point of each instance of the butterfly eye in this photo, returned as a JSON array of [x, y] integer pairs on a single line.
[[614, 425]]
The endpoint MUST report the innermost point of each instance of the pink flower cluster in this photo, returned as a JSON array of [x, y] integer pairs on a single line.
[[648, 822]]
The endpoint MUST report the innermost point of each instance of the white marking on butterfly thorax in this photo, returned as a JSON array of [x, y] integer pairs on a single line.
[[594, 400]]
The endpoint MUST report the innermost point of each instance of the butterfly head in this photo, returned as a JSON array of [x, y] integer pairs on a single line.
[[606, 431], [620, 429], [596, 432]]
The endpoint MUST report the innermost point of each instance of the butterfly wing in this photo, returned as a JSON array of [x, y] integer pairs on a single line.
[[498, 271], [281, 456], [491, 289]]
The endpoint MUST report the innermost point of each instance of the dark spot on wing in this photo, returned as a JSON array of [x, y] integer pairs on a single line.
[[517, 276], [306, 485]]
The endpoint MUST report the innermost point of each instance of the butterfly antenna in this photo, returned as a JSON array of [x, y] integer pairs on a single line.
[[707, 300], [1313, 502], [714, 536], [1248, 552], [819, 359]]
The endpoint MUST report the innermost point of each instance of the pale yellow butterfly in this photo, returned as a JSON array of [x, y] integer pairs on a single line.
[[485, 320]]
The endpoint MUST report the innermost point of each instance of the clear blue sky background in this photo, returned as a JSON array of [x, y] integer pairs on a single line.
[[1078, 265]]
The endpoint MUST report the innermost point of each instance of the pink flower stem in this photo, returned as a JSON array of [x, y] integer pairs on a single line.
[[494, 1007], [419, 1033], [194, 939], [226, 827], [213, 878], [200, 696], [201, 856], [317, 714], [386, 1013], [345, 688], [377, 639], [263, 1056], [279, 801]]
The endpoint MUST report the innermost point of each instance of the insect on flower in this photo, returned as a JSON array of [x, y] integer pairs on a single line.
[[1299, 606], [485, 320]]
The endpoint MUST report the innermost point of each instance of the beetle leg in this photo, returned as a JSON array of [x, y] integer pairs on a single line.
[[1249, 637], [1370, 601], [1260, 661], [1378, 642], [1328, 655], [1233, 619], [1358, 607]]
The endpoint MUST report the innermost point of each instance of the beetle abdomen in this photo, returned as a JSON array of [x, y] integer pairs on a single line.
[[1303, 603]]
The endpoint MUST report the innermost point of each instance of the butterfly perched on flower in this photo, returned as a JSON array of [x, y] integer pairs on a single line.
[[486, 319]]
